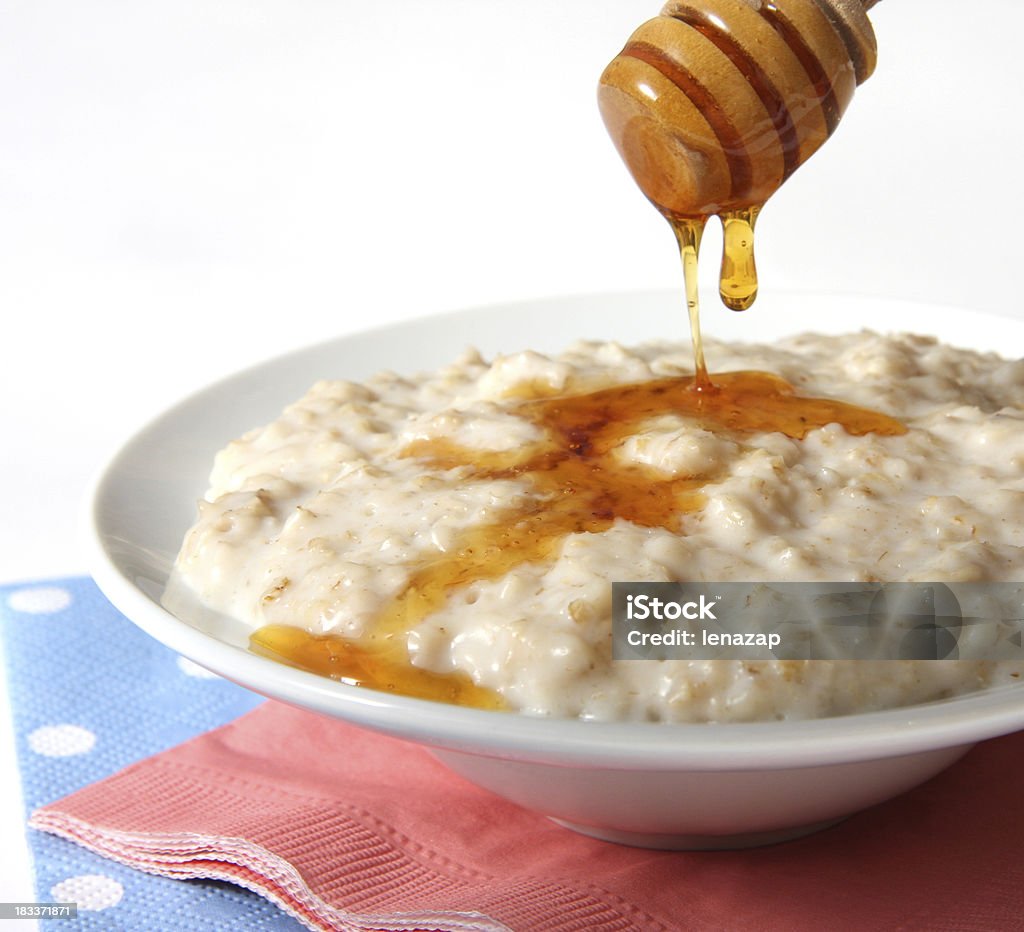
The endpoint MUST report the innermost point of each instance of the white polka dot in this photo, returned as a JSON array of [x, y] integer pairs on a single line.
[[39, 600], [90, 891], [193, 669], [61, 740]]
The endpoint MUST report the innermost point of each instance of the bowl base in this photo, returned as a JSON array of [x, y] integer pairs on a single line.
[[673, 842]]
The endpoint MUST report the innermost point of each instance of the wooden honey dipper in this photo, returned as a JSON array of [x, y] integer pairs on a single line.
[[713, 104]]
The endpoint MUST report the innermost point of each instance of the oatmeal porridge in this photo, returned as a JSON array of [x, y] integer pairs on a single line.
[[455, 534]]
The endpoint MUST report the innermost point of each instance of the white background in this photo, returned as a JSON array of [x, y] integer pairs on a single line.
[[190, 187]]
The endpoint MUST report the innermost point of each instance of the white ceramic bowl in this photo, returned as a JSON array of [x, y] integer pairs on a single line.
[[670, 786]]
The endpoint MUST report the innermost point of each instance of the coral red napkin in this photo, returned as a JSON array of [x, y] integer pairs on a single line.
[[346, 829]]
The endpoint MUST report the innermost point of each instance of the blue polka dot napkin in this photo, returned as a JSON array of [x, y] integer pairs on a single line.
[[91, 693]]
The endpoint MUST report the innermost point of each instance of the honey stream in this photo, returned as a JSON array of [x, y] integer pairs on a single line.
[[580, 485]]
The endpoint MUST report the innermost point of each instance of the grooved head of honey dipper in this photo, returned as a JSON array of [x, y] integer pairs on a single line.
[[666, 142], [660, 109], [715, 103]]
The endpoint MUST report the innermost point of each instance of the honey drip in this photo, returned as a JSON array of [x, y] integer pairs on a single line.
[[579, 485], [738, 279], [737, 283]]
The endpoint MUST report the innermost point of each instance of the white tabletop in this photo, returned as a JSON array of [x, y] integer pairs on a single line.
[[189, 187]]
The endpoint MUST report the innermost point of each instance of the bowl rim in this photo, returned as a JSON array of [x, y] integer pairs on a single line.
[[567, 742]]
